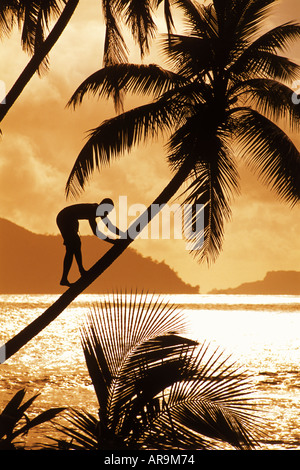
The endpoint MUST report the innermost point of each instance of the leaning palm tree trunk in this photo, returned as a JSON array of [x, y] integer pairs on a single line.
[[34, 328], [38, 57]]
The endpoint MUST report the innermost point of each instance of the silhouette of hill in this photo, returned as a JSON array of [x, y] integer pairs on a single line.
[[274, 283], [32, 264]]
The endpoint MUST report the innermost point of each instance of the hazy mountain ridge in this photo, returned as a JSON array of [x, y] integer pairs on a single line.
[[32, 264], [274, 283]]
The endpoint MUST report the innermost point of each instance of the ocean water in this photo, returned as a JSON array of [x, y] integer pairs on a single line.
[[262, 333]]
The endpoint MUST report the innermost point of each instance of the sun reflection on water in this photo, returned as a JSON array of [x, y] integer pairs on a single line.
[[260, 332]]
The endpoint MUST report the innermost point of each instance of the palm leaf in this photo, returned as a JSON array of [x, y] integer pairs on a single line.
[[120, 134], [211, 185], [13, 412], [250, 16], [34, 18], [150, 368], [270, 153], [262, 58], [192, 14], [115, 49], [116, 341], [168, 15], [7, 17], [271, 98], [158, 380], [138, 17], [43, 417], [211, 401], [83, 430], [124, 323], [140, 79], [191, 56]]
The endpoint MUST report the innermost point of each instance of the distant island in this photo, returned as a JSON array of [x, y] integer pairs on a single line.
[[274, 283], [32, 264]]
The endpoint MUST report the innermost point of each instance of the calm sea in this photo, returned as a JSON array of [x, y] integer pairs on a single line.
[[261, 332]]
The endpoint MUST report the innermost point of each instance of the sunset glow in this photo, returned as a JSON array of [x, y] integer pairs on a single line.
[[149, 226]]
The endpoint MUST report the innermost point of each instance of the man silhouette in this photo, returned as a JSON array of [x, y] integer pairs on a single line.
[[68, 223]]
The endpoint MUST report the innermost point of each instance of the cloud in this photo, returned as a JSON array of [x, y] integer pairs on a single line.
[[28, 184]]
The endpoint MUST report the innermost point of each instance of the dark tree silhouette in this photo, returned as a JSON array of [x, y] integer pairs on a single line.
[[228, 85]]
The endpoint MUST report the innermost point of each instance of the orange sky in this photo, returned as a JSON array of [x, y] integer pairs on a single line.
[[41, 140]]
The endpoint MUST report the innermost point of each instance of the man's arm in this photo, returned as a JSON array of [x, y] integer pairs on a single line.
[[100, 234], [113, 229]]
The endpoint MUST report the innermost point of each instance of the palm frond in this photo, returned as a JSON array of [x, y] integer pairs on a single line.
[[82, 428], [7, 17], [115, 49], [261, 57], [149, 369], [157, 380], [124, 323], [140, 79], [211, 401], [34, 19], [279, 38], [138, 17], [191, 56], [168, 15], [116, 136], [206, 242], [210, 187], [250, 16], [192, 13], [271, 98], [270, 153], [14, 412]]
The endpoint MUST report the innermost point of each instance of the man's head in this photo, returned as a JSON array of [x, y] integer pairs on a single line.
[[105, 207]]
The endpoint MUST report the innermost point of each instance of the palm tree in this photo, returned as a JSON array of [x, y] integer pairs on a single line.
[[35, 18], [157, 389], [227, 88]]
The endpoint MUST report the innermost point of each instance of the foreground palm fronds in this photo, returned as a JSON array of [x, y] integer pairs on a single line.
[[14, 422], [157, 389]]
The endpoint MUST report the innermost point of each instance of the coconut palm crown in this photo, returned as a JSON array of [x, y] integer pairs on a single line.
[[224, 95]]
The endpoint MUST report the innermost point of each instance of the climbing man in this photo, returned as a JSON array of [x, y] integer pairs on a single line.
[[68, 223]]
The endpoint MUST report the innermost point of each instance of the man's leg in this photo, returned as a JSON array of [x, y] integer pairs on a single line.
[[78, 255], [67, 266]]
